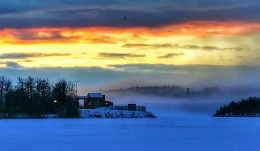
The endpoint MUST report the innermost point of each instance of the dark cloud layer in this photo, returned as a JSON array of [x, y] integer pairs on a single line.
[[80, 13], [30, 55], [192, 75], [119, 55], [54, 35], [50, 35], [176, 46], [10, 64], [149, 46], [171, 55]]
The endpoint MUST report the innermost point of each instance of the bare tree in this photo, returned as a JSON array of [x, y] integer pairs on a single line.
[[21, 95], [42, 94], [71, 89], [8, 86], [65, 93], [29, 86], [2, 83], [36, 96], [43, 87], [5, 86], [64, 90], [20, 83]]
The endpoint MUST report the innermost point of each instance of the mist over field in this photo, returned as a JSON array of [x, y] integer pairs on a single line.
[[199, 103], [231, 82]]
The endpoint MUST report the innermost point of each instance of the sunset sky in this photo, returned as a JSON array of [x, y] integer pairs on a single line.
[[160, 41]]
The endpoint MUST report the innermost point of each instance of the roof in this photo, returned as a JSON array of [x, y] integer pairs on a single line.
[[82, 97], [95, 95]]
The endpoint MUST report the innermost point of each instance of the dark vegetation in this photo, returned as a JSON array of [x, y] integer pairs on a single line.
[[249, 108], [36, 97], [176, 91], [168, 91]]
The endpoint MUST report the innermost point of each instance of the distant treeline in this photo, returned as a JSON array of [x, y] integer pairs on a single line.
[[246, 107], [36, 97], [178, 91], [168, 91]]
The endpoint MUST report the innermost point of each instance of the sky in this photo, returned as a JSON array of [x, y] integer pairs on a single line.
[[160, 42]]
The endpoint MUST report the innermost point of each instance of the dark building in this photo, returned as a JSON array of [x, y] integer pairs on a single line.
[[81, 100], [108, 103], [93, 101], [131, 107]]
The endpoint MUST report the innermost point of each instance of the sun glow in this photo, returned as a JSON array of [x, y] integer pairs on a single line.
[[187, 43]]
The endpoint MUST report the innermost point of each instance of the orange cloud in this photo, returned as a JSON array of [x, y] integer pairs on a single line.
[[96, 35]]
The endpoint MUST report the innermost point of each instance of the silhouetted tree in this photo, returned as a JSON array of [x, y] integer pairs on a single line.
[[64, 92], [5, 86], [42, 96], [248, 107], [36, 97]]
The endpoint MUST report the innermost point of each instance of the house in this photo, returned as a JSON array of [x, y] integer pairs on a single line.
[[93, 101]]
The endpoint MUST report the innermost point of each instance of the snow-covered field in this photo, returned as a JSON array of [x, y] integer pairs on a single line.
[[172, 133], [181, 125]]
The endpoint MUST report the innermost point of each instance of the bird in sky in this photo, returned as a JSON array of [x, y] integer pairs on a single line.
[[125, 18]]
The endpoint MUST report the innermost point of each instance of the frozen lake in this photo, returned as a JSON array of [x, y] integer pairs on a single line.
[[177, 133]]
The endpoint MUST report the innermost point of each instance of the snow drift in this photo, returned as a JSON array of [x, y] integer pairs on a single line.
[[112, 113]]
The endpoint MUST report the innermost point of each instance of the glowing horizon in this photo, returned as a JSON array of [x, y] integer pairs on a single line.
[[186, 43]]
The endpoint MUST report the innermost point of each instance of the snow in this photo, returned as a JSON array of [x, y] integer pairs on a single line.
[[179, 126], [173, 133], [50, 116], [95, 95], [112, 113]]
